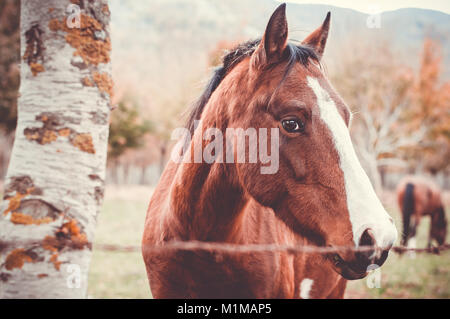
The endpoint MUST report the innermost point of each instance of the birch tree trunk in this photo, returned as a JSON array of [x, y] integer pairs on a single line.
[[54, 184]]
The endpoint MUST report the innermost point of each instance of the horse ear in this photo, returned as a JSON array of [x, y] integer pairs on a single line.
[[318, 38], [274, 40]]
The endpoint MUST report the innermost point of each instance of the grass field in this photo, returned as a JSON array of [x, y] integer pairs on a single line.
[[122, 275]]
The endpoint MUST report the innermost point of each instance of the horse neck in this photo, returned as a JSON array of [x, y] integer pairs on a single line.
[[206, 201]]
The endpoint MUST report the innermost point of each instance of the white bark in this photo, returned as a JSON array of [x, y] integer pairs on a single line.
[[55, 178]]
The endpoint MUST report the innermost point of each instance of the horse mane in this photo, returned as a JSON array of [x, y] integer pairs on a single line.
[[293, 53]]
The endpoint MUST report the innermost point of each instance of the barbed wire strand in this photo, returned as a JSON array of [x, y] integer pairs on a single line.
[[252, 248]]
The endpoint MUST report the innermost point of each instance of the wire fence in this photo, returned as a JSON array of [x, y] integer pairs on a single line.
[[255, 248]]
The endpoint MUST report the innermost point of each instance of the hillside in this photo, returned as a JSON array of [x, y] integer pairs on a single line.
[[164, 45]]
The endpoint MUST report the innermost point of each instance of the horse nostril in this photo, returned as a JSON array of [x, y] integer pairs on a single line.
[[367, 256], [367, 238]]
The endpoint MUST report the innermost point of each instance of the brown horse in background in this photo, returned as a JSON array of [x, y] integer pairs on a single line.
[[418, 197], [318, 195]]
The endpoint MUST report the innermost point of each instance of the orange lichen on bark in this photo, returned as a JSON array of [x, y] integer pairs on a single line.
[[104, 83], [42, 136], [86, 81], [17, 258], [54, 25], [71, 227], [84, 142], [50, 243], [42, 275], [23, 219], [68, 235], [48, 137], [51, 131], [14, 201], [88, 46], [36, 68], [105, 10], [78, 238], [34, 49], [64, 132], [55, 261]]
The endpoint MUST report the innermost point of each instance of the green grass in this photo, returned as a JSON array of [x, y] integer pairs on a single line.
[[119, 274], [425, 276], [122, 275]]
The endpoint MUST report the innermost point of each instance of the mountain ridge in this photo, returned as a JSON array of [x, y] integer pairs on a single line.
[[183, 32]]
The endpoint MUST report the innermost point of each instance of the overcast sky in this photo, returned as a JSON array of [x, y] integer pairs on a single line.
[[371, 6]]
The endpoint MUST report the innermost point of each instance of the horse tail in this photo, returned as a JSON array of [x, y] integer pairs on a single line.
[[407, 210]]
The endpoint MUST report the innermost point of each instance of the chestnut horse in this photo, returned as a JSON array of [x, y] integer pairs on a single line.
[[417, 197], [318, 195]]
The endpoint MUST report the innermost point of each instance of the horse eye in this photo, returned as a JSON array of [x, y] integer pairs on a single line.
[[293, 125]]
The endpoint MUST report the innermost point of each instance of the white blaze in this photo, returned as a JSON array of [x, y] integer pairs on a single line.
[[365, 209], [305, 288]]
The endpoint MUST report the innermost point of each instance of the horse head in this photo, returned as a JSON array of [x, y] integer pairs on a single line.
[[320, 189]]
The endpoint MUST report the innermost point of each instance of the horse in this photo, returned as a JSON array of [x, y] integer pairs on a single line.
[[316, 194], [417, 197]]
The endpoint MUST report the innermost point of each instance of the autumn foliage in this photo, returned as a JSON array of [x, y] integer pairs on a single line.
[[432, 108]]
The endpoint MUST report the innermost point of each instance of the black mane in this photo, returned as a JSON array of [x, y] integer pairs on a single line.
[[294, 53]]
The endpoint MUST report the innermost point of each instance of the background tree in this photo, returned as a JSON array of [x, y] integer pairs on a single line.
[[401, 116], [54, 184], [431, 110], [9, 60], [377, 86], [126, 129], [9, 76]]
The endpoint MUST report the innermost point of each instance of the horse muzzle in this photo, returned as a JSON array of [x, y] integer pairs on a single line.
[[368, 256]]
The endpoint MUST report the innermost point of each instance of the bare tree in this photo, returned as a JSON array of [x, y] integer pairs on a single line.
[[54, 184], [379, 140], [378, 87]]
